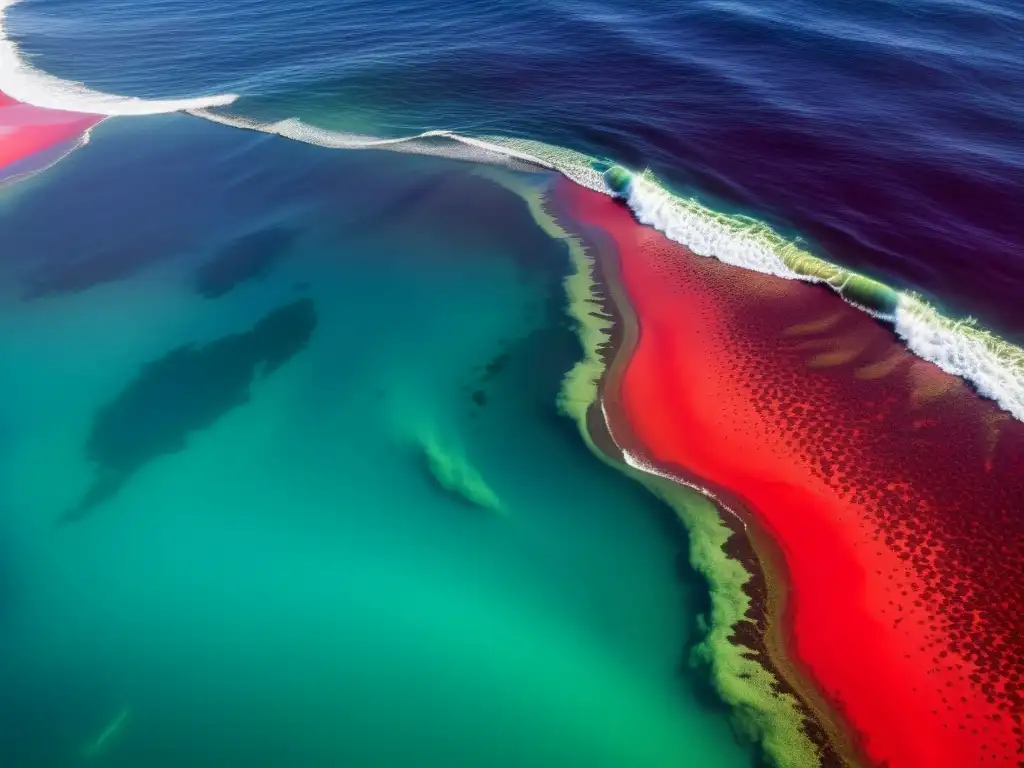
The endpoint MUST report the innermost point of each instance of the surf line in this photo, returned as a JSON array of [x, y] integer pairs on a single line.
[[440, 143], [30, 85], [994, 366], [43, 119]]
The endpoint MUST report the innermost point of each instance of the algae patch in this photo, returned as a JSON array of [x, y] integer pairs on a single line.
[[585, 308], [452, 470], [422, 434], [763, 712]]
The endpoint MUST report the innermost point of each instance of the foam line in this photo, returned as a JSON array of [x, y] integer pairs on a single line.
[[438, 143], [689, 223], [30, 85], [994, 366], [523, 154]]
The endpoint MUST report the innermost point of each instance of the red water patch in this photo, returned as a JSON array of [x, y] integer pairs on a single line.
[[26, 130], [895, 493]]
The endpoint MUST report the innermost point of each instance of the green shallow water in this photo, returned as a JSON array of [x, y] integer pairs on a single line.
[[293, 587]]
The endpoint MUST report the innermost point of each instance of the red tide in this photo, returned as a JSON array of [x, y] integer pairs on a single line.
[[26, 130], [894, 492]]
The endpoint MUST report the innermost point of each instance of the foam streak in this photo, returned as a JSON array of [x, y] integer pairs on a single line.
[[30, 85], [438, 143], [994, 366]]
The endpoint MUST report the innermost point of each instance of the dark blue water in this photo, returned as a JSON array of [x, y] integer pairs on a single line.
[[889, 134]]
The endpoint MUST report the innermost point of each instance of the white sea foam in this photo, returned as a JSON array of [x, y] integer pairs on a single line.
[[642, 465], [994, 366], [24, 82], [501, 150], [573, 165], [437, 143], [703, 231]]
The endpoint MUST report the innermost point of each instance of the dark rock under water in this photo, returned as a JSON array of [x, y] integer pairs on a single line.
[[186, 390], [247, 258], [58, 277]]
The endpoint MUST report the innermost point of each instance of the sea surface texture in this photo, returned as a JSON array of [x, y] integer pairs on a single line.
[[550, 383]]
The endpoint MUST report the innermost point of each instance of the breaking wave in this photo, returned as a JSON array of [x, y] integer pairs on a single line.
[[993, 366], [959, 347], [31, 85]]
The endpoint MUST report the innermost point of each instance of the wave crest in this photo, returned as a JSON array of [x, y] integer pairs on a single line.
[[438, 143], [994, 366], [30, 85]]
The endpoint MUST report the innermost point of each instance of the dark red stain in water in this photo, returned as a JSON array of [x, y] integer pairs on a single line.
[[26, 130], [895, 492]]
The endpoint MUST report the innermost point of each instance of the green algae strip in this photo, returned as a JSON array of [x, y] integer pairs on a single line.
[[580, 386], [771, 719]]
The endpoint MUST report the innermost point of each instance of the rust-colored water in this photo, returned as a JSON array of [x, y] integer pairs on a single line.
[[894, 492], [26, 130]]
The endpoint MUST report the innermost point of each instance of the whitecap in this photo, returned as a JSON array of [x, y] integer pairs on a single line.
[[30, 85]]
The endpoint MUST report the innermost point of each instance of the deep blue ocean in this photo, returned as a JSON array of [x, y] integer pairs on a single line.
[[282, 477], [888, 132]]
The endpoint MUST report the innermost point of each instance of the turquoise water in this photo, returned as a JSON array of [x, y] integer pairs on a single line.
[[277, 578]]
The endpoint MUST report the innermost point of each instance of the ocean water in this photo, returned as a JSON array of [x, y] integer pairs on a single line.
[[277, 578], [282, 477], [888, 134]]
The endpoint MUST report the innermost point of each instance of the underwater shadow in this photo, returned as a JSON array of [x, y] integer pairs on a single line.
[[246, 258], [186, 390], [56, 278]]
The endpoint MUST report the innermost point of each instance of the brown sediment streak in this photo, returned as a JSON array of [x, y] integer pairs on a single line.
[[879, 502], [622, 335]]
